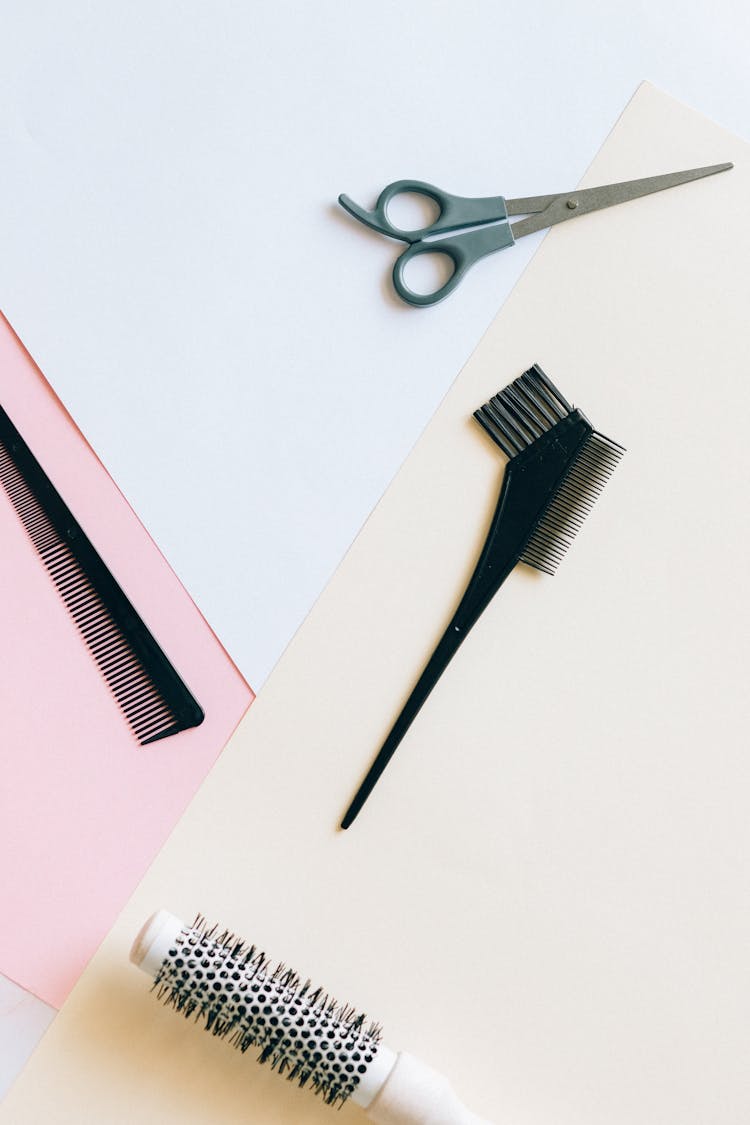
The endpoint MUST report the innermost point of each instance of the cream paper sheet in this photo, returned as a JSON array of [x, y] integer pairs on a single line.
[[547, 894]]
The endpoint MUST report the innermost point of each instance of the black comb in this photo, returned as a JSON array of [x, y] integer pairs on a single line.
[[558, 464], [153, 698]]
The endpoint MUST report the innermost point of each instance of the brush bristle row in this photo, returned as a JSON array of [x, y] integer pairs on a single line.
[[589, 472], [140, 701], [237, 993], [527, 408]]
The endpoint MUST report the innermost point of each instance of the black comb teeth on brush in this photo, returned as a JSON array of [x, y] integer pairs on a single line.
[[557, 466], [151, 695], [515, 419]]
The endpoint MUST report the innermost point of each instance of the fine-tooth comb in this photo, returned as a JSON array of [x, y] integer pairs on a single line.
[[151, 695], [558, 464]]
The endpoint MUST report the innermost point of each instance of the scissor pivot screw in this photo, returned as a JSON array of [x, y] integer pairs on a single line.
[[572, 204]]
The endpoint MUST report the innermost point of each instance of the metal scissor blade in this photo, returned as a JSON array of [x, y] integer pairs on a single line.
[[560, 208]]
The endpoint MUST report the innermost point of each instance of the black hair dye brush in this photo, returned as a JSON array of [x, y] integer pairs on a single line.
[[558, 465]]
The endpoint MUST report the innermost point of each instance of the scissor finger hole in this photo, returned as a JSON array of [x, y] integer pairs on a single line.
[[411, 210], [426, 273]]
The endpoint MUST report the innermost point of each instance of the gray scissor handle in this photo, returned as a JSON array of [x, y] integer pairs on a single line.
[[463, 250], [455, 210]]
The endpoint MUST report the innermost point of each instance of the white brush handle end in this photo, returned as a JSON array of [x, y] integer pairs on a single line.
[[154, 941], [415, 1094]]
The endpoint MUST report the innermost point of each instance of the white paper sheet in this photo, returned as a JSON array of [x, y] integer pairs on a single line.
[[174, 259], [23, 1020]]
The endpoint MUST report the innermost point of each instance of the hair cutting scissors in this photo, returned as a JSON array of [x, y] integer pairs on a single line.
[[484, 223]]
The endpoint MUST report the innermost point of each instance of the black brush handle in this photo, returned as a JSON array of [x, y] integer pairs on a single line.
[[447, 646], [499, 555], [531, 480]]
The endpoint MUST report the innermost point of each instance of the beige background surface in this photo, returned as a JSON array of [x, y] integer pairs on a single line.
[[547, 894]]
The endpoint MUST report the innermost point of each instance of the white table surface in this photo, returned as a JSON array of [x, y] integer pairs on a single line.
[[173, 258]]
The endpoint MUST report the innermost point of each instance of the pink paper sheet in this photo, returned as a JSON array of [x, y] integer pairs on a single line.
[[84, 808]]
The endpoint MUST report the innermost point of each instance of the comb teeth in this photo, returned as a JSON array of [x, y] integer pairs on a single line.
[[147, 710], [523, 411], [592, 467], [240, 996]]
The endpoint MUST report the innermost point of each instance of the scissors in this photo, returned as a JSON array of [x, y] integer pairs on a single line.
[[488, 220]]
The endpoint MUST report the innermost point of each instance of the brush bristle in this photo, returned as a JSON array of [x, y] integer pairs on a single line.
[[527, 408], [239, 996], [587, 475]]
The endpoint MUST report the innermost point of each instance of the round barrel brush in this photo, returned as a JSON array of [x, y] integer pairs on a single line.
[[239, 995]]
